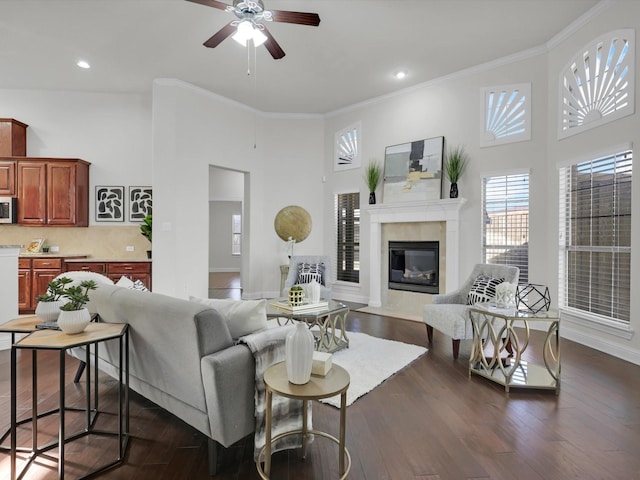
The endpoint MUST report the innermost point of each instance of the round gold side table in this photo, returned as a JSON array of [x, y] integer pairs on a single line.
[[336, 382]]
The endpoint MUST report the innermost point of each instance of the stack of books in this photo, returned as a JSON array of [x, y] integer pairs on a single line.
[[304, 308]]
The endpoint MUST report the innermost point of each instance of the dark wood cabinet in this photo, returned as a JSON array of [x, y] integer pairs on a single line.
[[115, 270], [34, 274], [53, 192], [8, 178], [13, 138]]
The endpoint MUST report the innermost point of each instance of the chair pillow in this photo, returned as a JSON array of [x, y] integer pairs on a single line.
[[483, 289], [241, 316], [310, 271]]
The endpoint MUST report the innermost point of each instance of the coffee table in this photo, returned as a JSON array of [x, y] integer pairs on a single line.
[[331, 335]]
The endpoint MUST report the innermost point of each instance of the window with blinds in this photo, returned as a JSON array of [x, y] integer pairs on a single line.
[[505, 222], [595, 236], [236, 234], [347, 209]]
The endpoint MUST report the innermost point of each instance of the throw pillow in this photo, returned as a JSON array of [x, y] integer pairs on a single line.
[[242, 316], [126, 282], [483, 289], [310, 271]]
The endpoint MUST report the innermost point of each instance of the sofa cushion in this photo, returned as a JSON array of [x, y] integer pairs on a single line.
[[483, 289], [242, 316]]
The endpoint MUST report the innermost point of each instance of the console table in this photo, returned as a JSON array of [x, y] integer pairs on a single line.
[[55, 340], [497, 348], [336, 382]]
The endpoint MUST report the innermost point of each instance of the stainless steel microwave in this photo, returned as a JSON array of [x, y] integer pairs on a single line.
[[8, 210]]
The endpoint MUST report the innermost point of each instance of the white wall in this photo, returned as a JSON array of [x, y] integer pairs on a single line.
[[193, 129], [220, 236], [450, 107], [112, 131]]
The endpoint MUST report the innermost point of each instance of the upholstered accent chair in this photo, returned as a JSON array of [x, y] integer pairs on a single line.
[[449, 313], [304, 268]]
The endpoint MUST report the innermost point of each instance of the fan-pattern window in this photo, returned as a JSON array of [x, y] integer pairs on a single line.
[[595, 237], [347, 210], [506, 114], [347, 148], [598, 85], [505, 225]]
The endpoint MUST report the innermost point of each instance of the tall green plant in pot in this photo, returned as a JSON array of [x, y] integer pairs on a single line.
[[372, 177], [455, 163], [146, 229]]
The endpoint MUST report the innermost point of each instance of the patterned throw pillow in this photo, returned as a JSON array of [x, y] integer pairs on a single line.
[[483, 289], [310, 271]]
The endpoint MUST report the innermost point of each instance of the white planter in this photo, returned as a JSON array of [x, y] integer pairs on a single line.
[[49, 311], [73, 321], [299, 354]]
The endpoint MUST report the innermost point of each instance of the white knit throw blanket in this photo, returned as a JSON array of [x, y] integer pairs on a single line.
[[268, 348]]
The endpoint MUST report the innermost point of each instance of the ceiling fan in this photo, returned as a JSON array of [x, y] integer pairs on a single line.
[[249, 24]]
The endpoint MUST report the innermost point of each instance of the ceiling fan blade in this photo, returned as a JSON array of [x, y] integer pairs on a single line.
[[272, 46], [211, 3], [301, 18], [220, 35]]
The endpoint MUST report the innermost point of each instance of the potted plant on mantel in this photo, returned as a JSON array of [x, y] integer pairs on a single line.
[[146, 229], [372, 176], [455, 163], [49, 303], [74, 316]]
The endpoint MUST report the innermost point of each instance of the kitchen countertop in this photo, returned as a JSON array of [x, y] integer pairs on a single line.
[[54, 255], [108, 260]]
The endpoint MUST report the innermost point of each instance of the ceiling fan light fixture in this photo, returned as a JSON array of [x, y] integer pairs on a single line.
[[258, 37], [244, 33]]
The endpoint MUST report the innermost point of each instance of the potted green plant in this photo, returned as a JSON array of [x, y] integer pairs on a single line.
[[146, 229], [455, 162], [74, 316], [49, 303], [372, 177]]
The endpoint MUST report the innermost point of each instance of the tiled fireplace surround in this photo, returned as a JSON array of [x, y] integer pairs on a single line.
[[429, 220]]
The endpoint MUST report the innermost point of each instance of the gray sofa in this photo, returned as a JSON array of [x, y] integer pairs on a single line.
[[182, 358]]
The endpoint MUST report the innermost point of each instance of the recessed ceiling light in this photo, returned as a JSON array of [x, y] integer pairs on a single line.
[[83, 64], [400, 74]]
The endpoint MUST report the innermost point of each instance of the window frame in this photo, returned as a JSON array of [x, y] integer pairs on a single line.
[[610, 325], [484, 214], [351, 275]]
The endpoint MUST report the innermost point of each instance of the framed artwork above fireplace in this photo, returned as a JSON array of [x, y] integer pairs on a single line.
[[413, 171]]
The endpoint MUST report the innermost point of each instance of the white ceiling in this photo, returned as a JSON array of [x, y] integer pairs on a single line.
[[348, 59]]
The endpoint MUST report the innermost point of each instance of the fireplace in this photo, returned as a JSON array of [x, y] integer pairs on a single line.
[[414, 266]]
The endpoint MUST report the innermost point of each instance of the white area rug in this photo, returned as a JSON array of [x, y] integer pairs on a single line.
[[370, 361]]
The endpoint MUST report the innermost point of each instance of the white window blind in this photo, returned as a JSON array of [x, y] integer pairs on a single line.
[[595, 236], [505, 222], [347, 215]]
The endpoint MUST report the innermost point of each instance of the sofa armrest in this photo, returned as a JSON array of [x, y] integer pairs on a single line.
[[229, 383]]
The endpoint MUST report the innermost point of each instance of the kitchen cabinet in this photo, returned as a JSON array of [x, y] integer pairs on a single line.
[[53, 192], [8, 178], [139, 270], [13, 138], [34, 274]]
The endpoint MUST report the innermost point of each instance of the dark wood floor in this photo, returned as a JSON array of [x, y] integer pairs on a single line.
[[430, 421]]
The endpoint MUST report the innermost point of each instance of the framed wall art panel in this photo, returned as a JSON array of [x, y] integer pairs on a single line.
[[140, 203], [413, 171], [109, 203]]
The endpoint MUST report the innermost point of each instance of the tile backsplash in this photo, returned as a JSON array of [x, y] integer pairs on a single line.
[[103, 242]]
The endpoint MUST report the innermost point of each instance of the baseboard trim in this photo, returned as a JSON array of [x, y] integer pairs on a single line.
[[619, 351]]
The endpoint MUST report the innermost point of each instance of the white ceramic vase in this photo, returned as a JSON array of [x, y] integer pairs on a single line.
[[73, 321], [299, 354], [313, 291], [49, 311]]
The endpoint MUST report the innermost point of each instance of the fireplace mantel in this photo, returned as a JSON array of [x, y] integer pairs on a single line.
[[446, 210]]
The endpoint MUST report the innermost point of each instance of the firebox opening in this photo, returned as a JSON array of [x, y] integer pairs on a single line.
[[414, 266]]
